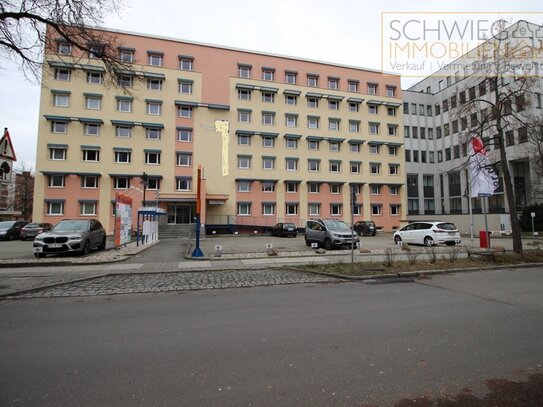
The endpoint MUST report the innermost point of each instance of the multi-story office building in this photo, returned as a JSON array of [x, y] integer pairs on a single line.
[[437, 132], [278, 138]]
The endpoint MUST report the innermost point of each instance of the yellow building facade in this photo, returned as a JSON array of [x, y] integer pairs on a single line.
[[279, 139]]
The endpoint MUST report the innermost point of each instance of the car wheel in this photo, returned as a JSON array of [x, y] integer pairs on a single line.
[[23, 238], [328, 244], [373, 234], [103, 244], [86, 248], [39, 255], [397, 239], [428, 241], [307, 242], [9, 237]]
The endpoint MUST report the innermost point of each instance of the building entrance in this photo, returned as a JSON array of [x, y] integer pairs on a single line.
[[181, 213]]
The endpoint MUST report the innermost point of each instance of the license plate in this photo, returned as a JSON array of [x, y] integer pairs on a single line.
[[452, 233], [54, 246]]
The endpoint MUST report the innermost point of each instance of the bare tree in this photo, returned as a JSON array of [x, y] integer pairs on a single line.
[[24, 190], [30, 27], [504, 80]]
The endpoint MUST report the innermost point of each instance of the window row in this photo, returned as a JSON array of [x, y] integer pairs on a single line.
[[127, 55], [86, 208], [120, 182], [315, 187], [183, 159], [314, 209], [314, 165]]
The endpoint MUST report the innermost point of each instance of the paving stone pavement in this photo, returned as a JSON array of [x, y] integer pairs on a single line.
[[175, 281]]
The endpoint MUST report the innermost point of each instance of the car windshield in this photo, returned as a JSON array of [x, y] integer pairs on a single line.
[[446, 226], [336, 224], [72, 225], [6, 224]]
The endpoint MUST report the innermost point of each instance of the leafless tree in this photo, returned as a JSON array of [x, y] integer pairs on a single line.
[[30, 27], [24, 190], [505, 81]]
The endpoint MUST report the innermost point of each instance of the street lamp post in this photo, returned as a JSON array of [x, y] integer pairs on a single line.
[[144, 178]]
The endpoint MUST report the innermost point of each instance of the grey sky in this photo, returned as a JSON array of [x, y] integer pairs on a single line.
[[340, 31]]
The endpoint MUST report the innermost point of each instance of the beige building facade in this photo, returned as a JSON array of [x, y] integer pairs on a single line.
[[279, 139]]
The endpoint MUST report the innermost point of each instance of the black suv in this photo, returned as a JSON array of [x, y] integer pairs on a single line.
[[365, 228], [11, 229]]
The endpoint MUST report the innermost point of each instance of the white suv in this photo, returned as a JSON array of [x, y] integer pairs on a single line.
[[428, 234]]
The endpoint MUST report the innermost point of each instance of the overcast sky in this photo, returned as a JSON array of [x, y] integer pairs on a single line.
[[340, 31]]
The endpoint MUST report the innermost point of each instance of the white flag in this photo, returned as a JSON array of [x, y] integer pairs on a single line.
[[483, 180]]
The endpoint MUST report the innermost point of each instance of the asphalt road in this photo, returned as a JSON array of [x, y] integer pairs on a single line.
[[314, 344]]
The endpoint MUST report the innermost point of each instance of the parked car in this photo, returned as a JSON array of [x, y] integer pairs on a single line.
[[428, 234], [365, 228], [71, 236], [329, 233], [11, 229], [284, 229], [34, 229]]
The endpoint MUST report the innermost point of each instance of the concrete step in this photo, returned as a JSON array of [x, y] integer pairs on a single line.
[[175, 231]]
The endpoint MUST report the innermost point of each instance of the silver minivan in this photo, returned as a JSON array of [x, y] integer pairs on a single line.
[[330, 233]]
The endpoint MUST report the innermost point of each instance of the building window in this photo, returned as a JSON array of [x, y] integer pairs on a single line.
[[184, 111], [333, 83], [154, 108], [244, 140], [314, 188], [372, 89], [61, 100], [374, 148], [268, 74], [154, 84], [374, 128], [268, 142], [354, 126], [244, 71], [291, 100], [91, 155], [244, 94], [123, 131], [244, 186], [152, 158], [291, 120], [59, 127], [126, 55], [89, 181], [391, 111], [186, 64], [57, 154], [373, 109], [122, 183], [392, 150], [312, 144], [268, 163], [353, 86], [56, 181], [395, 210], [291, 143], [291, 164], [124, 105], [314, 209], [353, 107], [244, 116], [354, 148], [268, 97], [244, 162], [312, 80], [153, 133], [87, 208], [96, 78], [123, 157], [155, 59], [268, 209], [313, 165], [268, 118], [62, 74], [376, 209], [184, 87], [355, 167], [335, 166], [268, 186], [291, 187], [55, 208], [312, 123], [391, 90], [394, 190], [290, 77], [375, 168], [291, 209], [64, 48], [376, 189], [93, 102], [313, 102], [244, 209], [183, 184], [333, 124], [126, 81], [333, 105], [335, 209], [392, 130], [394, 169], [522, 135]]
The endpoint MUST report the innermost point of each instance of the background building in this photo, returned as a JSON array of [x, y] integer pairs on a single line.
[[279, 138], [437, 129], [8, 211]]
